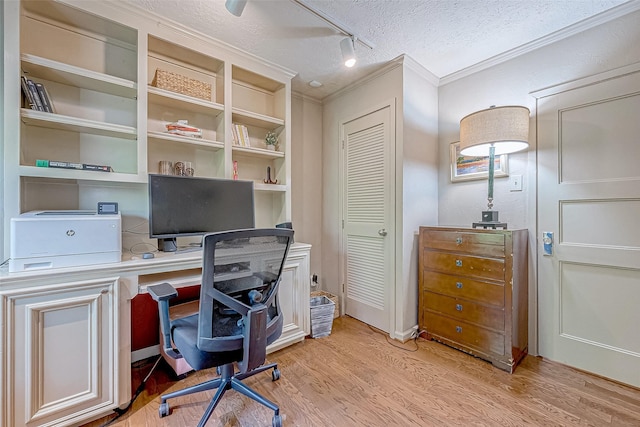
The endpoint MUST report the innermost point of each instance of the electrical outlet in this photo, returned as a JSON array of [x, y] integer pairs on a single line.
[[515, 183]]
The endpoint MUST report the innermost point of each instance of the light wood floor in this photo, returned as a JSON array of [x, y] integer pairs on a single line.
[[355, 377]]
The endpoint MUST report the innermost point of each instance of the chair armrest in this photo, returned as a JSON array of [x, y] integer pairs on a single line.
[[162, 293]]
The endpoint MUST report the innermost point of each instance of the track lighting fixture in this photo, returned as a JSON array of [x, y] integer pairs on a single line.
[[235, 6], [348, 52]]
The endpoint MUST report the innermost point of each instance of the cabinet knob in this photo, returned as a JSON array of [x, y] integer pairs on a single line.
[[459, 329], [104, 291], [459, 307], [458, 240], [459, 285], [458, 263]]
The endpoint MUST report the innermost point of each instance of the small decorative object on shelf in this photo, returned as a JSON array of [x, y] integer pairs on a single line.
[[268, 180], [271, 139], [166, 167], [235, 169], [183, 168]]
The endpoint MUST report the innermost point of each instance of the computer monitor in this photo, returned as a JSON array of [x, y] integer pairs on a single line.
[[190, 206]]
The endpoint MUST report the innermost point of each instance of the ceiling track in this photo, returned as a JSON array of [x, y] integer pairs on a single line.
[[334, 23]]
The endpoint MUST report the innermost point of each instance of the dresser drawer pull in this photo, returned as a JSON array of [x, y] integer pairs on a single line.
[[459, 307], [459, 285], [458, 240], [458, 263], [459, 329]]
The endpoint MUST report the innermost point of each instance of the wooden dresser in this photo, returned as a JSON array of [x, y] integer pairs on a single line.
[[473, 291]]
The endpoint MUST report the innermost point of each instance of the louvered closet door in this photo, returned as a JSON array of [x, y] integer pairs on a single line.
[[368, 208]]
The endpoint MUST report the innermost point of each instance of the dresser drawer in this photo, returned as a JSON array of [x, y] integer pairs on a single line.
[[468, 311], [474, 337], [482, 244], [464, 287], [464, 265]]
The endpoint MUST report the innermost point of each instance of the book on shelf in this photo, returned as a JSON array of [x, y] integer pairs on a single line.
[[72, 165], [240, 135], [28, 96], [44, 98], [182, 128], [36, 95]]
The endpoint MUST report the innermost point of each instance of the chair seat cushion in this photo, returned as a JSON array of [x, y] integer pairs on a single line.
[[184, 332]]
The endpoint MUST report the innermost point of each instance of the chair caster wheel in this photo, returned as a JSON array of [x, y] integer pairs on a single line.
[[275, 375], [163, 409], [277, 421]]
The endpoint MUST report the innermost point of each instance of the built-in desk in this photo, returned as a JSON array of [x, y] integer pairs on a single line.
[[65, 343]]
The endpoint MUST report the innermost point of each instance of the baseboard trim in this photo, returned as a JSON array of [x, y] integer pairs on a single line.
[[145, 353]]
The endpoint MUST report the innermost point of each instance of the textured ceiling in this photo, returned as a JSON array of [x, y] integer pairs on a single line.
[[444, 36]]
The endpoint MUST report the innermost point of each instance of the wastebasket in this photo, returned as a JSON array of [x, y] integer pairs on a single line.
[[321, 316], [336, 312]]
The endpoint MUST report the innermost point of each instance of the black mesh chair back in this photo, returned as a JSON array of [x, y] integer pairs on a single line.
[[238, 317]]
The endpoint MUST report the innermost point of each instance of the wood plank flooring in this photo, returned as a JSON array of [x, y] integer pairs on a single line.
[[356, 377]]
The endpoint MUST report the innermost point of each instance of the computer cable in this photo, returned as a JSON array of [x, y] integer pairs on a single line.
[[121, 411]]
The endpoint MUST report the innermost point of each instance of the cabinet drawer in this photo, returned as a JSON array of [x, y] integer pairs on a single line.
[[483, 244], [464, 287], [474, 337], [464, 265], [490, 317]]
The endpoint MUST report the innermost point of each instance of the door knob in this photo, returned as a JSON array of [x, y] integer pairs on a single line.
[[382, 232]]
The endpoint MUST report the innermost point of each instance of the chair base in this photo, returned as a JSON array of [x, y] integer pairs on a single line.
[[227, 380]]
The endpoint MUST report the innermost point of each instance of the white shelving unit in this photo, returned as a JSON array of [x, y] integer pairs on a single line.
[[98, 63]]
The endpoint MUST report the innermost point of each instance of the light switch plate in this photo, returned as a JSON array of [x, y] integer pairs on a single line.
[[515, 182]]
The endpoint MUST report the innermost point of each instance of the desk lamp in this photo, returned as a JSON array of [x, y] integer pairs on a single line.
[[493, 132]]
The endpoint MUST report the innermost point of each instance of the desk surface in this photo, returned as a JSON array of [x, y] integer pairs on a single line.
[[131, 265]]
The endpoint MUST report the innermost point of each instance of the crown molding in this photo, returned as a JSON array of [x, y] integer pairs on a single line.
[[588, 23], [421, 70], [305, 97]]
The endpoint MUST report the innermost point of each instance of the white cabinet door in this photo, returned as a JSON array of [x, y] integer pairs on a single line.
[[61, 352], [293, 295]]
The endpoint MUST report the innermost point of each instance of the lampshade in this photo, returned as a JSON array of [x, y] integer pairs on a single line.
[[348, 53], [506, 128], [235, 6]]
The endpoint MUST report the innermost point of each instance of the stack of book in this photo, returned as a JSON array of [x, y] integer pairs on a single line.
[[36, 96], [240, 135], [182, 128]]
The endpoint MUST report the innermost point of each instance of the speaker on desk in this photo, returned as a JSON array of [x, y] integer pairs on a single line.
[[286, 225]]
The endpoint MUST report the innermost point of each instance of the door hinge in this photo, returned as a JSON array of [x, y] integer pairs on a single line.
[[343, 144], [343, 288], [343, 223]]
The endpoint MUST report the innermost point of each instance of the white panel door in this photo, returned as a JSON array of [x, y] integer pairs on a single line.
[[367, 215], [589, 198]]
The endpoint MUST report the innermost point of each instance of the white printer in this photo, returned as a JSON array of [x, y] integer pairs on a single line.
[[55, 239]]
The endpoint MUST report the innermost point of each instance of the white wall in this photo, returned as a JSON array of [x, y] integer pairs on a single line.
[[306, 176], [608, 46], [417, 171], [2, 254]]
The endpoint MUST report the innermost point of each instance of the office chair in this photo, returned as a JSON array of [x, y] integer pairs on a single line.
[[238, 317]]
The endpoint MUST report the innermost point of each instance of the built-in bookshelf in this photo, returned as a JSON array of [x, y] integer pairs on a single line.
[[99, 63]]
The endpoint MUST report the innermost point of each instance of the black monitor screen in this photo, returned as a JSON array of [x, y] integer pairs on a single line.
[[190, 206]]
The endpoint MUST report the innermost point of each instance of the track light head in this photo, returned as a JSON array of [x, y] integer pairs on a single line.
[[235, 7], [348, 52]]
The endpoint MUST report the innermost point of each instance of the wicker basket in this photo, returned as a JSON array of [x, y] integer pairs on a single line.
[[181, 84]]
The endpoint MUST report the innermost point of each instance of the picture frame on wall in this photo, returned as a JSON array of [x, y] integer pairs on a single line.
[[466, 168]]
